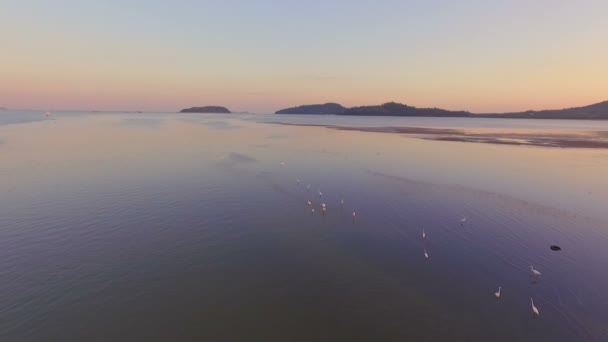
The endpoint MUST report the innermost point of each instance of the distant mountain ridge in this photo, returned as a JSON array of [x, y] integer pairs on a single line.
[[326, 108], [597, 111], [206, 109], [398, 109]]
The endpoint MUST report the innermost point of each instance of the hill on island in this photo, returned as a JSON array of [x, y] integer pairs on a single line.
[[598, 111], [206, 109], [327, 108], [398, 109]]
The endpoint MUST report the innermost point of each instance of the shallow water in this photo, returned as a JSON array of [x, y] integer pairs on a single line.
[[186, 227]]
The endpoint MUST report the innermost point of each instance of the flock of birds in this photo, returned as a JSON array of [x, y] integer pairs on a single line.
[[463, 221], [534, 272]]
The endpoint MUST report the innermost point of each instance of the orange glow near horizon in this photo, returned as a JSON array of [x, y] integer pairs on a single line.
[[493, 58]]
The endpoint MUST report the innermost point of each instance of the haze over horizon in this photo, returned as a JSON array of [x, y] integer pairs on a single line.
[[260, 57]]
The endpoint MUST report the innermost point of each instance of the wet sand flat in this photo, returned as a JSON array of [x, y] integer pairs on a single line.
[[590, 139]]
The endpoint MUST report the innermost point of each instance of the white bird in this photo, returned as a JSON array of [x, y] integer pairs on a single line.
[[282, 163], [426, 255], [312, 210], [320, 194], [354, 216], [323, 205], [463, 220], [324, 210], [535, 272], [309, 203], [308, 187], [497, 294], [423, 234], [342, 202], [534, 308]]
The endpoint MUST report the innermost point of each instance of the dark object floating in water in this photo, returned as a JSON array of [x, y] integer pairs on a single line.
[[555, 248]]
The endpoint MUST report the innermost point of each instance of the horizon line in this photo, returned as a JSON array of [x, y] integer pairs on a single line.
[[274, 111]]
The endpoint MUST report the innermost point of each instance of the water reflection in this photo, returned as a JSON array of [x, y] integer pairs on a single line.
[[189, 232], [240, 158], [142, 122], [276, 136], [211, 122]]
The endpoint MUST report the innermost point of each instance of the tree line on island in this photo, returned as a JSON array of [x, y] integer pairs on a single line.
[[598, 111], [207, 109]]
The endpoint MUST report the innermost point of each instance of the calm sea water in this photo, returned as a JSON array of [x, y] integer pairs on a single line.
[[156, 227]]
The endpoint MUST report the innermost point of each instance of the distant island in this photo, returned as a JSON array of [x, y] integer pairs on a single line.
[[327, 108], [598, 111], [207, 109], [398, 109]]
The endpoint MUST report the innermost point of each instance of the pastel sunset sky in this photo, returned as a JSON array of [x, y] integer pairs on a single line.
[[260, 56]]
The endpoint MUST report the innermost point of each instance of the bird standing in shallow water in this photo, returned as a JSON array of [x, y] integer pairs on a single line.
[[534, 308], [354, 216], [497, 294], [426, 255], [309, 203], [463, 220], [535, 272], [423, 234]]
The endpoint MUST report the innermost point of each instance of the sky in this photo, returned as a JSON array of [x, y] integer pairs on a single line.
[[261, 56]]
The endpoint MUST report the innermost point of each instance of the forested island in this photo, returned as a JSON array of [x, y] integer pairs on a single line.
[[326, 108], [207, 109], [598, 111]]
